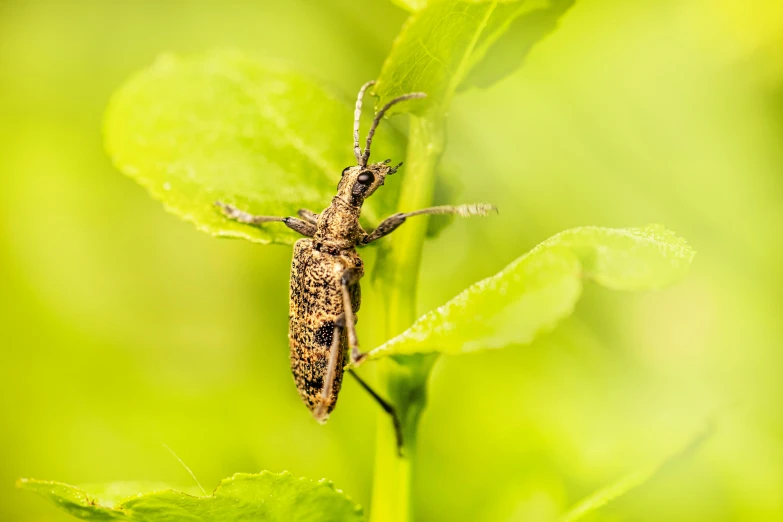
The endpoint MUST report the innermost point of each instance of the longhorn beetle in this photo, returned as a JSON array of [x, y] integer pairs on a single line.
[[325, 273]]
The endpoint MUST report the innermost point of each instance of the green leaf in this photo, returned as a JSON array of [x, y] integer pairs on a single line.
[[410, 5], [221, 126], [418, 5], [268, 497], [442, 42], [511, 49], [539, 289], [634, 480]]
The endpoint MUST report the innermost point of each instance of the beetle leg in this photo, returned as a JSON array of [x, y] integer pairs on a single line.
[[387, 407], [303, 227], [331, 372], [308, 215], [391, 223], [349, 278]]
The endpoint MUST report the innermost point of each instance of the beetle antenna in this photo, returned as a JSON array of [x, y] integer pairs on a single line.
[[357, 115], [366, 156]]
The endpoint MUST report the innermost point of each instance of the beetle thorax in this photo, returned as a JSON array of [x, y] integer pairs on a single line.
[[338, 226]]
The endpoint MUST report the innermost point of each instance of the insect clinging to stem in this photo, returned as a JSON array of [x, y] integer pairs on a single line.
[[326, 269]]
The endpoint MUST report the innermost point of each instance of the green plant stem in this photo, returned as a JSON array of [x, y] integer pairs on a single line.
[[397, 274]]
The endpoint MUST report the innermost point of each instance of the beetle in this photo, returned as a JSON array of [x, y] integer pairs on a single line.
[[324, 288]]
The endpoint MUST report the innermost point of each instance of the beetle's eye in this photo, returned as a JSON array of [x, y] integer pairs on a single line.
[[345, 170], [366, 178]]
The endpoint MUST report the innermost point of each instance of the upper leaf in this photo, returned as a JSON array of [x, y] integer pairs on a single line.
[[443, 41], [510, 50], [224, 127], [540, 288], [267, 497]]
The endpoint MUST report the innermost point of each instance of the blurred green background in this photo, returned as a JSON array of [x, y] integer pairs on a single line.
[[124, 328]]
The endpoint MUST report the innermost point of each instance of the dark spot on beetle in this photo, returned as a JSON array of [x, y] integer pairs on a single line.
[[324, 334], [316, 383]]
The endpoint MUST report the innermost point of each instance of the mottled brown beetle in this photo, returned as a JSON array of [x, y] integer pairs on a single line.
[[325, 273]]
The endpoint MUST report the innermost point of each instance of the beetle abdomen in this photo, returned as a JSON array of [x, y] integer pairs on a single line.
[[315, 307]]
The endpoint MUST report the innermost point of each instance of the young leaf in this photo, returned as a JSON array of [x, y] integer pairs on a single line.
[[443, 41], [266, 496], [542, 287], [634, 480], [511, 49], [223, 127]]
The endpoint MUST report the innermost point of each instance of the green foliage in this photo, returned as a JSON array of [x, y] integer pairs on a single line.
[[443, 42], [608, 494], [512, 47], [542, 287], [634, 480], [224, 127], [265, 496], [411, 5]]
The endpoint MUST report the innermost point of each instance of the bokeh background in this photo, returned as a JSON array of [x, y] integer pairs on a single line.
[[123, 328]]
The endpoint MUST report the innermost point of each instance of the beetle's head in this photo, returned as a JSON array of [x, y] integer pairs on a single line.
[[358, 183]]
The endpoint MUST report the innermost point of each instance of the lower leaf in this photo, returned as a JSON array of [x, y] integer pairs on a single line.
[[266, 496]]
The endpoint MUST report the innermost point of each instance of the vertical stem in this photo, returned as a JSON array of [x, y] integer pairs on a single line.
[[400, 264], [397, 274]]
